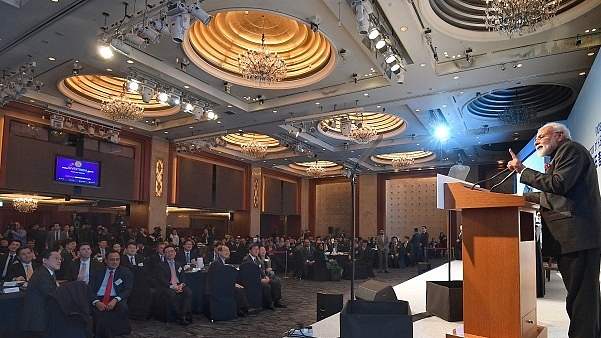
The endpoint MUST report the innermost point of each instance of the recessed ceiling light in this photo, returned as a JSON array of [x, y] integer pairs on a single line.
[[378, 106], [51, 58], [417, 144], [229, 106], [587, 31], [274, 111], [444, 106], [594, 30], [456, 77], [365, 94], [417, 110], [32, 101], [582, 73], [519, 65], [461, 92], [146, 121], [404, 28], [166, 132], [422, 65], [186, 86], [590, 54], [219, 122], [317, 103], [130, 61], [191, 127], [109, 70]]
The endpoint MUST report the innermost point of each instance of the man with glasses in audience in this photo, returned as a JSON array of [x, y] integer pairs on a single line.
[[170, 276]]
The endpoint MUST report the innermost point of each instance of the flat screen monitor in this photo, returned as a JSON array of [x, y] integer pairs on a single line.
[[76, 171]]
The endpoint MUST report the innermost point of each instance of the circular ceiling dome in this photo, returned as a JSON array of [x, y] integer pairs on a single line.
[[329, 166], [419, 156], [92, 90], [235, 141], [309, 55], [544, 99], [385, 124], [471, 14]]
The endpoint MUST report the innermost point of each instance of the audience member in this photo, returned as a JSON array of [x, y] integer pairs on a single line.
[[11, 257], [241, 300], [81, 267], [171, 277], [23, 269]]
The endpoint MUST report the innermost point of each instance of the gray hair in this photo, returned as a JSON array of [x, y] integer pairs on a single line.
[[558, 127]]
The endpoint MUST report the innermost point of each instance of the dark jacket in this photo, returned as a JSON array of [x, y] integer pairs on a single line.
[[162, 274], [123, 281], [16, 270], [35, 313], [72, 270]]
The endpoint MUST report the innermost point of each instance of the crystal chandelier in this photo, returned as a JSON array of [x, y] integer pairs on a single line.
[[402, 162], [517, 113], [254, 149], [121, 109], [518, 16], [25, 204], [316, 171], [261, 66], [363, 134]]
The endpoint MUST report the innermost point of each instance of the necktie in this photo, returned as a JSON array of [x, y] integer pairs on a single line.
[[54, 278], [173, 276], [162, 258], [131, 259], [28, 271], [11, 259], [109, 287], [56, 236], [82, 272], [187, 257]]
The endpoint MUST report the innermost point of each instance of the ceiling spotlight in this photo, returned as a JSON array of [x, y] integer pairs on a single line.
[[178, 25], [373, 33], [174, 100], [161, 26], [400, 77], [188, 107], [163, 97], [200, 14], [146, 32], [104, 49], [381, 43], [135, 40], [395, 68], [390, 57], [75, 71], [147, 94], [211, 115], [120, 47], [442, 133], [132, 85], [198, 112], [578, 40], [362, 11]]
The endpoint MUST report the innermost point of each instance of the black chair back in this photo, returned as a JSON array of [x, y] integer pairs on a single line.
[[250, 278], [141, 298], [222, 300]]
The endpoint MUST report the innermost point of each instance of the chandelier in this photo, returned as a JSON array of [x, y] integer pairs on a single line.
[[25, 204], [121, 109], [402, 162], [517, 113], [363, 134], [518, 16], [254, 149], [261, 66], [316, 171]]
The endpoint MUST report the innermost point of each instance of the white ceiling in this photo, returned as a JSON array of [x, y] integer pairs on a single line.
[[68, 31]]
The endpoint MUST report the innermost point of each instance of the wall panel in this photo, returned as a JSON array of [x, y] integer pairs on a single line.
[[333, 207]]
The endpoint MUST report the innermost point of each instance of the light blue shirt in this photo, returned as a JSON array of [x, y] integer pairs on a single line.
[[100, 292]]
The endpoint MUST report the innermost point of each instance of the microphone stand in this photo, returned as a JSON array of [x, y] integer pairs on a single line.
[[502, 181], [493, 177]]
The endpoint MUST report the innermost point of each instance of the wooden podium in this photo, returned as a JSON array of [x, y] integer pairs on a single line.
[[499, 276]]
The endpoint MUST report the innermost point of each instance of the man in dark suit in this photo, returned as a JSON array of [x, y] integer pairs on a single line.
[[157, 257], [101, 249], [224, 255], [188, 255], [570, 206], [131, 257], [55, 234], [11, 257], [68, 254], [22, 270], [171, 277], [81, 268], [272, 288], [213, 254], [34, 321], [111, 286]]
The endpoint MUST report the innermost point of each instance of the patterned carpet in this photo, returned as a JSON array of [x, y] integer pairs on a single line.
[[300, 297]]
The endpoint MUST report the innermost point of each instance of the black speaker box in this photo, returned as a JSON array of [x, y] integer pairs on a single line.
[[374, 290], [360, 319], [328, 303], [423, 267]]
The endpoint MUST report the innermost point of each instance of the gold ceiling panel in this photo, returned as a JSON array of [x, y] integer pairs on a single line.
[[218, 45], [329, 166], [385, 124], [419, 156], [238, 139], [92, 90]]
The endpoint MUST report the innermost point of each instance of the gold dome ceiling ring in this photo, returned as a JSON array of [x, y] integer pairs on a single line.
[[236, 140], [310, 56], [92, 90], [329, 166], [419, 156], [385, 124]]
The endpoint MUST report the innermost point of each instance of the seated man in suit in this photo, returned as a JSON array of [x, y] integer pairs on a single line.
[[131, 257], [23, 269], [188, 256], [171, 277], [81, 268], [11, 257], [241, 300], [272, 288], [34, 321], [212, 254], [112, 286], [157, 257], [306, 253]]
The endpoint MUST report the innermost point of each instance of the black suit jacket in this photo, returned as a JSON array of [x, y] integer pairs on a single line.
[[162, 274], [35, 314], [154, 261], [3, 259], [215, 264], [249, 259], [122, 289], [181, 256], [138, 258], [72, 270], [17, 270], [569, 200]]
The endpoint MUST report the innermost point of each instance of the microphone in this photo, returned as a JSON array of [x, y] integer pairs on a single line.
[[502, 181], [493, 177]]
